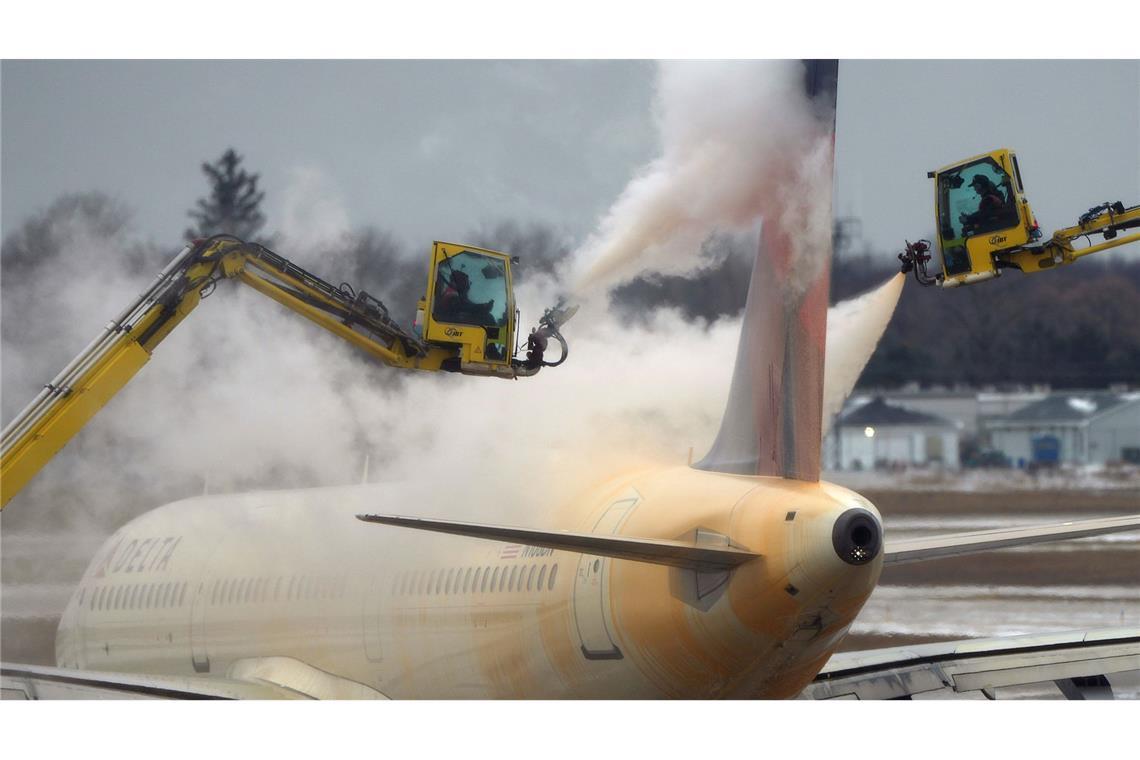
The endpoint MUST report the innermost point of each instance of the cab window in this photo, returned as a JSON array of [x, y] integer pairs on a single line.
[[975, 199], [471, 289]]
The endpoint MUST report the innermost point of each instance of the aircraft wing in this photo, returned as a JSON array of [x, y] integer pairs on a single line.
[[1100, 664], [957, 544], [253, 678]]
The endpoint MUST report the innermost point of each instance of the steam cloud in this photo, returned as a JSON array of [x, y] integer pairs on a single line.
[[245, 395], [733, 134]]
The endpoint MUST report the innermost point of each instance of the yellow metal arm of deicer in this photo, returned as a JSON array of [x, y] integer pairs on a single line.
[[985, 225], [458, 333]]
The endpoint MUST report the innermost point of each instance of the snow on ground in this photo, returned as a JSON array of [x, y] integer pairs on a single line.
[[1068, 478]]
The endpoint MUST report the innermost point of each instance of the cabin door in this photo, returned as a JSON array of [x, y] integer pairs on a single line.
[[373, 620], [591, 589], [198, 655]]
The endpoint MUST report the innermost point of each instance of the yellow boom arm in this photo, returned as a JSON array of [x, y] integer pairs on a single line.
[[985, 225], [109, 362]]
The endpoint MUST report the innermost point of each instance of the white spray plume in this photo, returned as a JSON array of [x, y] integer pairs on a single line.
[[247, 395], [854, 328], [734, 140], [312, 210]]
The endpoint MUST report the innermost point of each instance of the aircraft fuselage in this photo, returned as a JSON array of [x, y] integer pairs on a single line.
[[214, 584]]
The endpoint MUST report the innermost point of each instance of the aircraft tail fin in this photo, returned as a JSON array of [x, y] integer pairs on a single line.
[[772, 423]]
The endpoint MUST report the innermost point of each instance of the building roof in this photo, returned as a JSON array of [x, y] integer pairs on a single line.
[[879, 412], [1069, 407]]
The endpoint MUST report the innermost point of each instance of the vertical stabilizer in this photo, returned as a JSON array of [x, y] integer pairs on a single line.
[[772, 424]]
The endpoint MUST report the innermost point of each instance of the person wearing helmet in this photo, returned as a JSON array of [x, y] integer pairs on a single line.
[[991, 204], [455, 304]]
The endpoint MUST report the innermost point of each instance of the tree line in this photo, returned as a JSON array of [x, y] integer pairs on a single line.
[[1073, 328]]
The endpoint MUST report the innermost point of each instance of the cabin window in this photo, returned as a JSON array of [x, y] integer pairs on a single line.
[[476, 580], [232, 594], [494, 580], [136, 596], [449, 586], [182, 593], [116, 597], [514, 575], [530, 577], [467, 580], [553, 573], [149, 595], [541, 578], [439, 582]]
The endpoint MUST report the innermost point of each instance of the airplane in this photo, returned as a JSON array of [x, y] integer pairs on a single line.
[[737, 576]]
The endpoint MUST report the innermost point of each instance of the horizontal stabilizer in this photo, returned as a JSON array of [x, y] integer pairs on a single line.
[[957, 544], [655, 550]]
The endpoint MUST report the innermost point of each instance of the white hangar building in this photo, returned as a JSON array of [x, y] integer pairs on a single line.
[[1071, 428], [880, 434]]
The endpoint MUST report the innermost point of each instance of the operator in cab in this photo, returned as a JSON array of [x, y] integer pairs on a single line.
[[991, 204]]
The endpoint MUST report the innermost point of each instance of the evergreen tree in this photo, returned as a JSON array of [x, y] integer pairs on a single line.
[[234, 203]]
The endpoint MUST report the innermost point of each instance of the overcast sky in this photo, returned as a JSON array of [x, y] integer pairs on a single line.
[[433, 149]]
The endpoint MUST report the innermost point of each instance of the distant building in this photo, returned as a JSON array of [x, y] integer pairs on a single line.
[[969, 409], [880, 434], [1073, 428]]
